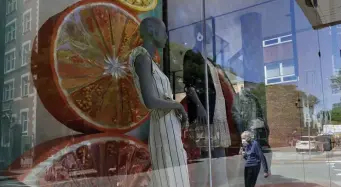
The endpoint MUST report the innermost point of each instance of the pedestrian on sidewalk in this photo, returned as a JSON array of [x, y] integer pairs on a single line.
[[254, 157]]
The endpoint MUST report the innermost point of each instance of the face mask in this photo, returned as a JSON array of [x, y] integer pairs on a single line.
[[244, 142]]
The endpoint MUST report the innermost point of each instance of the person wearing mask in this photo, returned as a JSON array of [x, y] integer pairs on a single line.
[[254, 157]]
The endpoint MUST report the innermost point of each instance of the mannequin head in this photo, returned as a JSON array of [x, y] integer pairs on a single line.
[[198, 32], [153, 30]]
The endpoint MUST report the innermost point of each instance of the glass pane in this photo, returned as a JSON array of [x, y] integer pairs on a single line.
[[270, 42], [272, 81], [286, 38], [290, 78], [273, 70], [288, 68], [97, 93]]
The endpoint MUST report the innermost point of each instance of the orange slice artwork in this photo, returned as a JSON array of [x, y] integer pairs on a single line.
[[140, 5], [103, 159], [80, 67]]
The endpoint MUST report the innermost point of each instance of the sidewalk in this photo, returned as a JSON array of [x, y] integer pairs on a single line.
[[285, 155], [298, 185]]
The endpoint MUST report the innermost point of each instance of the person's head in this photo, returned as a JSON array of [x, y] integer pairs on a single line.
[[246, 137], [153, 30]]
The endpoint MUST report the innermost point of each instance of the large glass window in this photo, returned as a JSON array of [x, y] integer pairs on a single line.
[[95, 93], [280, 72]]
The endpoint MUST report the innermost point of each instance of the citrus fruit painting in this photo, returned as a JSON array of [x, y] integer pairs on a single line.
[[81, 68], [140, 5], [88, 160]]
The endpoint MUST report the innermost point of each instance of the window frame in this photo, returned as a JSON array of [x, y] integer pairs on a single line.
[[3, 143], [281, 75], [29, 12], [28, 42], [12, 81], [23, 130], [22, 84], [13, 7], [11, 51], [279, 40], [7, 39]]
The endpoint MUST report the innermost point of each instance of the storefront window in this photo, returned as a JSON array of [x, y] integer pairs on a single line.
[[170, 93]]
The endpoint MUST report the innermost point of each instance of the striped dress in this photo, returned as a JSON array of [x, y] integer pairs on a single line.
[[169, 159]]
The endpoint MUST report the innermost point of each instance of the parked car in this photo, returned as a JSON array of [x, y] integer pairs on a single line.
[[308, 143]]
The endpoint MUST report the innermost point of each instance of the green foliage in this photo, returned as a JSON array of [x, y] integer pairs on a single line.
[[260, 92], [336, 114]]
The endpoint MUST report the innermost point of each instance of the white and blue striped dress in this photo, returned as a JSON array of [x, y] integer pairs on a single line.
[[168, 156]]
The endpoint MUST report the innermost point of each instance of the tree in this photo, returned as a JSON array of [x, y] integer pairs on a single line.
[[260, 92], [336, 82], [336, 114]]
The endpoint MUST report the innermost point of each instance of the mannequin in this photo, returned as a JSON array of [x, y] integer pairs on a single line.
[[195, 87], [169, 159]]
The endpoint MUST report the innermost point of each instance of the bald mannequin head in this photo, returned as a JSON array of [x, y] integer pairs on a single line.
[[153, 30]]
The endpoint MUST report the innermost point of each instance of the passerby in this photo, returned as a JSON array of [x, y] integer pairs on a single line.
[[254, 157]]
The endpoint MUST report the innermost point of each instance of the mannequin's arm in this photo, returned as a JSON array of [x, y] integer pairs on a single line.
[[192, 95], [143, 69], [201, 112]]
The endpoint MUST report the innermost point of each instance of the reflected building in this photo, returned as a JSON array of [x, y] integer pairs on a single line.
[[25, 122], [19, 98]]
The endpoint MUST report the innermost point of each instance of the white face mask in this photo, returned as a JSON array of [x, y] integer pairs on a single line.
[[244, 142]]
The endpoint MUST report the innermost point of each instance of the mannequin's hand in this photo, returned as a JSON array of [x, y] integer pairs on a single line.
[[191, 91], [201, 115], [184, 118]]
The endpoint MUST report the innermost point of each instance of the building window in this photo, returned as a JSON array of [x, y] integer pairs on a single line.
[[11, 6], [6, 123], [10, 31], [277, 40], [25, 85], [280, 72], [8, 90], [5, 131], [9, 61], [27, 20], [24, 120], [25, 52]]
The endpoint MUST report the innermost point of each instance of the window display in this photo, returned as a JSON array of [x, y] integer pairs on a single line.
[[172, 93]]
